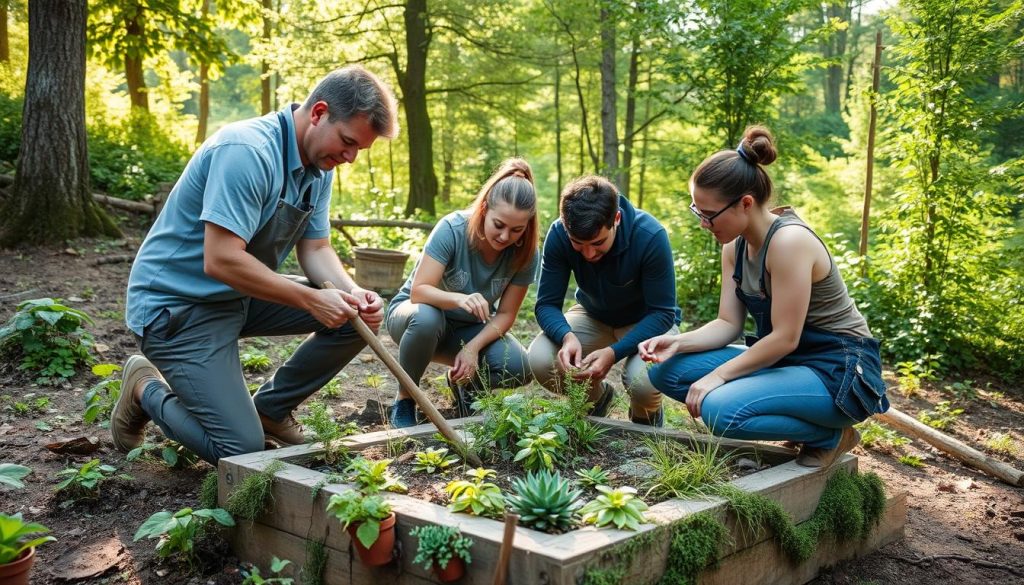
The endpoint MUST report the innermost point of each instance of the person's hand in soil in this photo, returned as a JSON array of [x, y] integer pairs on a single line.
[[570, 354], [598, 362], [465, 365], [370, 307], [700, 389]]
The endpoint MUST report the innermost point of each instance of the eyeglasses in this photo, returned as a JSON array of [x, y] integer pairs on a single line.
[[711, 218]]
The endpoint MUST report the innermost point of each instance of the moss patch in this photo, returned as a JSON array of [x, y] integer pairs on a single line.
[[254, 496], [208, 491]]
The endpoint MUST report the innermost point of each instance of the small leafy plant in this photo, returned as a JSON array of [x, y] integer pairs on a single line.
[[872, 434], [374, 476], [911, 461], [619, 507], [326, 430], [942, 416], [177, 532], [478, 497], [1001, 443], [11, 474], [440, 544], [545, 501], [591, 478], [253, 576], [17, 536], [586, 435], [50, 338], [352, 507], [680, 471], [433, 460], [101, 398], [255, 361], [538, 450], [174, 455], [85, 481]]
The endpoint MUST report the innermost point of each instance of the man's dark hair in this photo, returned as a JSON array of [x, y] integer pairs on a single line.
[[353, 91], [586, 205]]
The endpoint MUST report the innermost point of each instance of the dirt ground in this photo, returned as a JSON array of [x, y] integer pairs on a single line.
[[963, 527]]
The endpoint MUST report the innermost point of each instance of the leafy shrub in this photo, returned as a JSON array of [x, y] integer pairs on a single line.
[[50, 338], [178, 532], [545, 501], [16, 536], [326, 430], [130, 157], [352, 507], [941, 417], [477, 497], [101, 398], [618, 506], [440, 544]]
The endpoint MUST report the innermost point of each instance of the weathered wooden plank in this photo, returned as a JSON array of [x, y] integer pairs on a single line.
[[766, 564]]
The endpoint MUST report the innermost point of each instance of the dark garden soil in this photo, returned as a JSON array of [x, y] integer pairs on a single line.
[[963, 527]]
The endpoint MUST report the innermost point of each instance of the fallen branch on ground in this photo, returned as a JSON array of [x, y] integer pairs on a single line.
[[930, 559]]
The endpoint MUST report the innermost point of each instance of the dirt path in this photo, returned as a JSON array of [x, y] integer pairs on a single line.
[[972, 525]]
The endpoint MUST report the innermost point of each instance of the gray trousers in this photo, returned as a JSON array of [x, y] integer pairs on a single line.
[[423, 334], [205, 404]]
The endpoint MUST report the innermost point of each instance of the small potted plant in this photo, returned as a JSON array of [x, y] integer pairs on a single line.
[[442, 549], [369, 521], [18, 540]]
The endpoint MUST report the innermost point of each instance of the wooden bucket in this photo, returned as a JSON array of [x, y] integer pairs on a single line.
[[380, 270]]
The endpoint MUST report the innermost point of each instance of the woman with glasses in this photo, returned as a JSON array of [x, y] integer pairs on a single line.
[[813, 369]]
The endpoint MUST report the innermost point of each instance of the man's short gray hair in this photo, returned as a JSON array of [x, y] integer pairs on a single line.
[[352, 91]]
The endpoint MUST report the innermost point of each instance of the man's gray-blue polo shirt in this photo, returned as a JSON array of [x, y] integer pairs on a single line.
[[234, 181]]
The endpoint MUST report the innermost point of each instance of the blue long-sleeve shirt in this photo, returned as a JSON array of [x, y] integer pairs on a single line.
[[633, 283]]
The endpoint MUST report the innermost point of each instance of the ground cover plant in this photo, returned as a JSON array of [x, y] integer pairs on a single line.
[[50, 339]]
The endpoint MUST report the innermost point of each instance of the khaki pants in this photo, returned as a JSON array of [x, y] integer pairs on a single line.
[[645, 400]]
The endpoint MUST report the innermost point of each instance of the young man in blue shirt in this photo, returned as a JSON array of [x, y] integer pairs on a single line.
[[206, 275], [626, 293]]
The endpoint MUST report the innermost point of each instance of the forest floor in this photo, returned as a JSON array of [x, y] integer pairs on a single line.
[[962, 527]]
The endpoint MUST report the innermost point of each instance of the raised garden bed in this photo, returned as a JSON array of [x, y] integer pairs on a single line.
[[296, 521]]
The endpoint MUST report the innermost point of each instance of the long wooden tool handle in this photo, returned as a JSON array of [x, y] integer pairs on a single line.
[[411, 387], [511, 520], [973, 457]]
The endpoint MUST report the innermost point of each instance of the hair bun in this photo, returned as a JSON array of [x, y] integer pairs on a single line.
[[759, 145]]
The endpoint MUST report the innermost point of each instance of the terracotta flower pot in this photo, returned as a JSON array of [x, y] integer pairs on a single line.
[[380, 552], [16, 572], [453, 572]]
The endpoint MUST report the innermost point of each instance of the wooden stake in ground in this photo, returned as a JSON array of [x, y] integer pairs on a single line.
[[411, 387], [909, 425], [866, 214], [511, 520]]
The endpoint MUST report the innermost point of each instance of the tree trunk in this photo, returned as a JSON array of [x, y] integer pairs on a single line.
[[853, 51], [643, 149], [835, 48], [558, 132], [51, 200], [204, 89], [133, 71], [609, 109], [265, 104], [422, 179], [5, 44], [627, 147]]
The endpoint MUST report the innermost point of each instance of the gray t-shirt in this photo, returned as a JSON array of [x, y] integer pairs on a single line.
[[465, 270]]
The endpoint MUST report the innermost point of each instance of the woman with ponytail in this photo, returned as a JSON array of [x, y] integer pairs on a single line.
[[813, 369], [445, 311]]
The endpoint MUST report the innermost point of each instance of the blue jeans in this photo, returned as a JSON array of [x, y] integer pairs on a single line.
[[774, 404]]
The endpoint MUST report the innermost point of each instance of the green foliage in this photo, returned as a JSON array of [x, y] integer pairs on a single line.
[[352, 507], [593, 477], [17, 536], [433, 460], [586, 435], [84, 481], [694, 547], [872, 434], [332, 389], [681, 471], [101, 398], [619, 507], [255, 361], [911, 461], [440, 544], [172, 454], [208, 490], [1001, 443], [539, 450], [963, 390], [941, 417], [129, 158], [11, 475], [316, 562], [545, 501], [177, 532], [50, 338], [478, 497], [373, 476], [254, 496], [11, 106], [253, 576], [326, 430]]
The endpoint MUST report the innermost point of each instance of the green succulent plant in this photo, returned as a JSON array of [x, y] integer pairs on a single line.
[[618, 506], [478, 497], [545, 501], [591, 478], [433, 460], [439, 545]]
